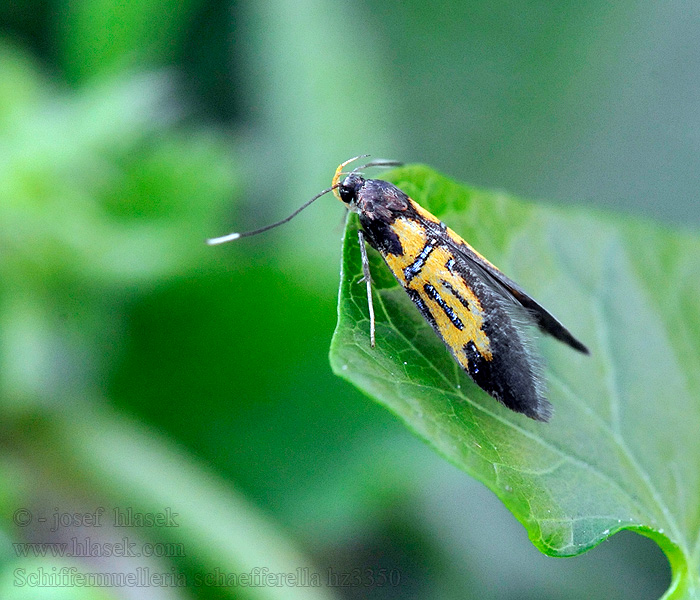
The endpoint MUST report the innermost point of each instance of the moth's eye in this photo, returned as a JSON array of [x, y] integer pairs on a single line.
[[347, 193]]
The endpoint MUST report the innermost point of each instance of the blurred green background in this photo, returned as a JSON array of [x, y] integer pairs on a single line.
[[142, 370]]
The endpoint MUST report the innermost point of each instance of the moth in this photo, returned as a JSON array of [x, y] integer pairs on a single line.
[[481, 315]]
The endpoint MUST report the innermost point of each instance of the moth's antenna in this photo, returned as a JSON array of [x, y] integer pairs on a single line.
[[336, 182], [234, 236], [378, 163]]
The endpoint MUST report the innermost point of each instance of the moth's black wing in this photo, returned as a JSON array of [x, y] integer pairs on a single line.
[[507, 365], [509, 289]]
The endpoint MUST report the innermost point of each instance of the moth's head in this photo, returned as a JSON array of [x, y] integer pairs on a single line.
[[349, 187]]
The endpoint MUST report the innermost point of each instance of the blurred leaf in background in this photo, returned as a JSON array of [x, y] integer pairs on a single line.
[[97, 204]]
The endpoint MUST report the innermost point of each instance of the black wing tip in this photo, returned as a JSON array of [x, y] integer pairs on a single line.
[[538, 409], [564, 335], [576, 345], [542, 412], [535, 406]]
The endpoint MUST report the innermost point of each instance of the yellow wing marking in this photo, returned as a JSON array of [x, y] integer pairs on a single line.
[[435, 272], [450, 232]]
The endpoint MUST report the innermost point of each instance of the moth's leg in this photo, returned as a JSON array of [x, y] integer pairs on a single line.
[[368, 281]]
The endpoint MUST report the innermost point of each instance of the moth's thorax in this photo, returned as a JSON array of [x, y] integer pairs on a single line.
[[372, 198]]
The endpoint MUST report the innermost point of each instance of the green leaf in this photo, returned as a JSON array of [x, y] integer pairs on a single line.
[[623, 446]]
